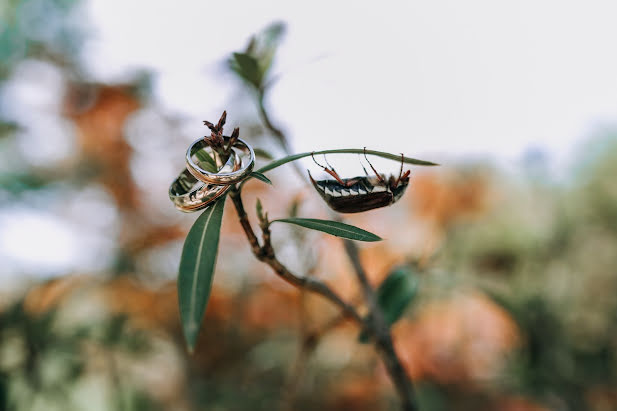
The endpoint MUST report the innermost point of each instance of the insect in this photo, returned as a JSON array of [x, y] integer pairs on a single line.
[[358, 194]]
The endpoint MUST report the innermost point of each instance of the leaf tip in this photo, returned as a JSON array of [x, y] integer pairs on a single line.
[[191, 331]]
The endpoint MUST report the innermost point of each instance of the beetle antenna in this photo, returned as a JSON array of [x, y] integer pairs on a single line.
[[373, 168]]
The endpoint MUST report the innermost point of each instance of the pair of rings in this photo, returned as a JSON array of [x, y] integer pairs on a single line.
[[195, 188]]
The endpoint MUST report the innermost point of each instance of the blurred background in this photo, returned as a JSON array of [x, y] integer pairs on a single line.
[[512, 240]]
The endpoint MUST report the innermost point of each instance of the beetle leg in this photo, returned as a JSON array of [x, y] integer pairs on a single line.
[[362, 165], [373, 168], [331, 172], [401, 176], [329, 165]]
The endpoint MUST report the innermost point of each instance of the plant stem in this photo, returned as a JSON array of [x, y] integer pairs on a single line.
[[381, 333], [375, 323], [265, 254], [277, 132]]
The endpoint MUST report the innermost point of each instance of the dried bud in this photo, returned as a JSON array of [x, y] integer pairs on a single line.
[[233, 139], [221, 123], [211, 126]]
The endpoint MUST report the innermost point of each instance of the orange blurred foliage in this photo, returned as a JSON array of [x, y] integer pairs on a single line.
[[518, 404], [267, 307], [50, 294], [151, 236], [447, 197], [464, 339], [148, 308], [356, 393], [100, 112], [602, 398]]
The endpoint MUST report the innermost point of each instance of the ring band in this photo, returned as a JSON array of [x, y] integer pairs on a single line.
[[246, 165], [189, 194]]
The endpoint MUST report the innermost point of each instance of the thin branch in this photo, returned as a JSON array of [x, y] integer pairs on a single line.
[[277, 132], [375, 323], [265, 254], [290, 390], [265, 117], [308, 344], [381, 333]]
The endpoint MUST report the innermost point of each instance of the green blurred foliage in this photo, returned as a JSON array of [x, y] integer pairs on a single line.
[[255, 62], [38, 28], [395, 294], [42, 360], [548, 254]]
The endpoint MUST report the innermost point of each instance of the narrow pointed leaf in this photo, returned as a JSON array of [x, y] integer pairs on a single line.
[[394, 295], [260, 177], [206, 161], [247, 67], [197, 269], [273, 33], [332, 227], [260, 152], [397, 157], [293, 208]]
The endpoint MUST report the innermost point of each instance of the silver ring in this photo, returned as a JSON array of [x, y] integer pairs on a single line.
[[189, 194], [226, 178]]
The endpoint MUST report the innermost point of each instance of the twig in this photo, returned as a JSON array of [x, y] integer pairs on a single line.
[[375, 324], [381, 333], [308, 344], [266, 255], [305, 350], [265, 117], [290, 391], [277, 132]]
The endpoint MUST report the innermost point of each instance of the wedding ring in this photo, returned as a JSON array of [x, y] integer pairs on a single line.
[[247, 161], [189, 194]]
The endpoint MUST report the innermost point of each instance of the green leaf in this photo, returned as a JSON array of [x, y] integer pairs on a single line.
[[197, 269], [259, 209], [332, 227], [293, 208], [394, 295], [206, 161], [273, 33], [263, 46], [260, 177], [295, 157], [247, 67], [396, 292], [260, 152]]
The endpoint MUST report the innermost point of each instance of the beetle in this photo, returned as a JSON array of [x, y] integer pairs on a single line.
[[359, 194]]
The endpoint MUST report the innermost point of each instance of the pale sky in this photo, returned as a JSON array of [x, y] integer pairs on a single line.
[[480, 77]]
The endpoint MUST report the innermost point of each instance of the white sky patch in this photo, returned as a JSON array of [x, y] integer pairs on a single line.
[[454, 78], [39, 240], [42, 244]]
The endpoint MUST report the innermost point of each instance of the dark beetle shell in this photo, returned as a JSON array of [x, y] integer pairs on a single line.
[[366, 193]]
